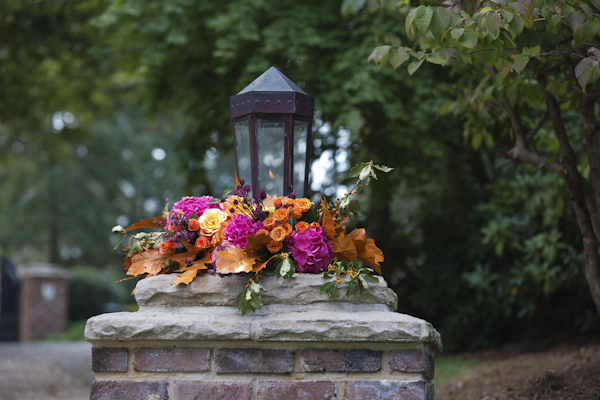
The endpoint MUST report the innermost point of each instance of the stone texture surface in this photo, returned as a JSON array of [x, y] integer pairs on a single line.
[[412, 360], [213, 290], [129, 390], [297, 390], [359, 360], [386, 390], [232, 360], [375, 326], [109, 359], [208, 390], [171, 359]]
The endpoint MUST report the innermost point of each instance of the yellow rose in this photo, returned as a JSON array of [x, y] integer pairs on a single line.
[[211, 221]]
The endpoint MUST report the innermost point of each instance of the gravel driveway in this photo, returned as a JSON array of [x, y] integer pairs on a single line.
[[45, 370]]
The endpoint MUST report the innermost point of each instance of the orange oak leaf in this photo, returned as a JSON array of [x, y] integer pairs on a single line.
[[368, 252], [192, 252], [258, 243], [269, 201], [146, 223], [233, 261], [344, 248], [149, 262], [189, 273], [327, 222], [260, 266]]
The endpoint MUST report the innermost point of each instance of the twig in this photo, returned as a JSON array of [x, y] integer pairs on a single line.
[[538, 126]]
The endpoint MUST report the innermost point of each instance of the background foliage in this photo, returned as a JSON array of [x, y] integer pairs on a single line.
[[486, 254]]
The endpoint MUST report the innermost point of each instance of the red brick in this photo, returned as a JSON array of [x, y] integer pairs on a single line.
[[129, 390], [109, 359], [387, 390], [208, 390], [253, 360], [171, 359], [297, 390], [317, 360], [412, 360]]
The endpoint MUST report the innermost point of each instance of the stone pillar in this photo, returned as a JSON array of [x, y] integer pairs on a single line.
[[43, 301], [191, 342]]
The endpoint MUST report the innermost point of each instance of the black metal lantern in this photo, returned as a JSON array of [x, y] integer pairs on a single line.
[[272, 125]]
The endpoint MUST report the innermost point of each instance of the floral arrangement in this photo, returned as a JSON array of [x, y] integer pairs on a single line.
[[259, 234]]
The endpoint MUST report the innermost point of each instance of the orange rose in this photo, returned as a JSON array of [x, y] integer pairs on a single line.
[[314, 225], [277, 202], [262, 232], [288, 228], [278, 233], [296, 213], [194, 225], [281, 214], [288, 202], [202, 242], [269, 223], [167, 247], [301, 226], [303, 204], [274, 246]]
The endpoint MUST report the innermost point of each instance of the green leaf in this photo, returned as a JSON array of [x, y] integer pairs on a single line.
[[414, 66], [436, 59], [398, 57], [378, 53], [517, 24], [446, 53], [382, 168], [587, 10], [327, 287], [119, 240], [576, 20], [350, 7], [439, 21], [468, 39], [409, 20], [456, 33], [532, 51], [356, 206], [554, 20], [356, 170], [493, 22], [520, 63], [476, 141], [583, 71], [596, 3], [423, 18]]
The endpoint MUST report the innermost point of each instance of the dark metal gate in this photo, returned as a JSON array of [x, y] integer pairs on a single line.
[[9, 294]]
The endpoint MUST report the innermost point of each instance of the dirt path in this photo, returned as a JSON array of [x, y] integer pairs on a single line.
[[541, 371], [45, 371]]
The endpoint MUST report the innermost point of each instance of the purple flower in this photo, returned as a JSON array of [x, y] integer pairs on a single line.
[[236, 233], [194, 205], [311, 250]]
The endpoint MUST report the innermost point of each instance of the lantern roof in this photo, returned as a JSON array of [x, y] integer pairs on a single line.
[[272, 80]]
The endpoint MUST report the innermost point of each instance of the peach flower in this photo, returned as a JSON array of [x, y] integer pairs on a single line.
[[301, 226], [296, 213], [202, 242], [269, 223], [278, 233], [262, 232], [194, 225], [167, 247], [314, 225], [303, 204], [288, 228], [211, 220], [281, 214], [274, 246], [288, 202]]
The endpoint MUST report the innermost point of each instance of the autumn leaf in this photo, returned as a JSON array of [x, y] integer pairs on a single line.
[[194, 264], [327, 223], [149, 262], [146, 223], [234, 260], [260, 266], [189, 273], [269, 201], [258, 243], [344, 248], [192, 252], [368, 252], [237, 181]]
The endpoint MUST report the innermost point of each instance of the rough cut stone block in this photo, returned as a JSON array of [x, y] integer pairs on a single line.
[[129, 390], [316, 360], [412, 360], [109, 359], [253, 360], [167, 359], [213, 290], [208, 390], [386, 390], [297, 390]]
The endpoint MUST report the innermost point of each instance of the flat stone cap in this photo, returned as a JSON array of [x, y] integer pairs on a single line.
[[42, 270]]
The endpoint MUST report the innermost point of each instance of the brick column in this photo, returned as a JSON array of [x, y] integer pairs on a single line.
[[190, 343]]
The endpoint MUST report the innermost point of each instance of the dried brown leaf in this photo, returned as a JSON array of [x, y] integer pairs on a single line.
[[344, 248], [258, 243], [149, 262], [234, 260], [146, 223]]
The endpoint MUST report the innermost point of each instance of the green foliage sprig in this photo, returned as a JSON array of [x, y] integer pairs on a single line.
[[358, 277]]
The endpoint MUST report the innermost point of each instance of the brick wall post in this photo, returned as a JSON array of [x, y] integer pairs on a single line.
[[191, 343]]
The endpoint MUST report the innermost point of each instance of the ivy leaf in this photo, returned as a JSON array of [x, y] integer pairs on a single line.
[[378, 53], [468, 39], [456, 33], [414, 66], [423, 18], [493, 22], [520, 63], [439, 21], [397, 58], [576, 19]]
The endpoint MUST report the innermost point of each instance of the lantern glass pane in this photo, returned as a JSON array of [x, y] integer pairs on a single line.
[[270, 139], [242, 140], [300, 146]]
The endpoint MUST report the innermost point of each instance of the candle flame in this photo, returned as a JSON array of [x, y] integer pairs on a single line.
[[271, 175]]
